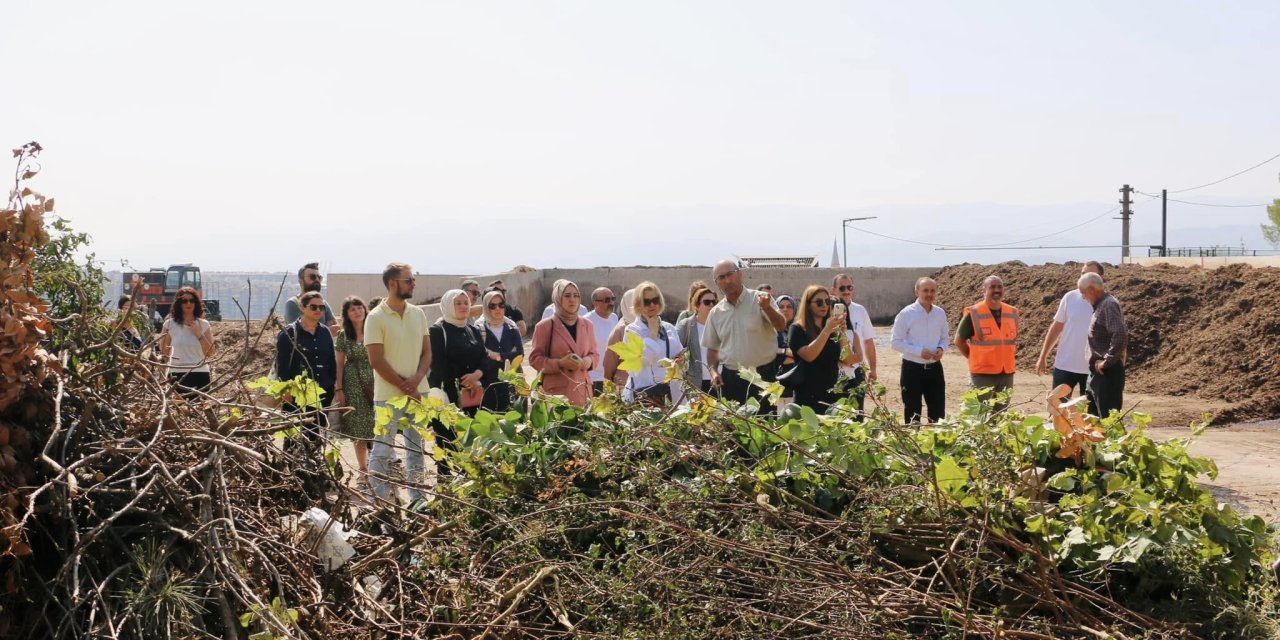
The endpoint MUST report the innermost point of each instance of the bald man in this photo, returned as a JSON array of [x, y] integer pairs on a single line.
[[742, 332]]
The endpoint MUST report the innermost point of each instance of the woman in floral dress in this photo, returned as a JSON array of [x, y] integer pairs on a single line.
[[355, 381]]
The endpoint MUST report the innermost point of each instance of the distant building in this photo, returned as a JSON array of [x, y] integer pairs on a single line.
[[779, 262]]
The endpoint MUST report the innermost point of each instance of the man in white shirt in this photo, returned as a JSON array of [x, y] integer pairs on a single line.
[[603, 319], [1070, 332], [857, 327], [921, 335]]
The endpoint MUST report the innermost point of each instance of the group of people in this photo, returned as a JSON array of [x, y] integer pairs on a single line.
[[821, 347]]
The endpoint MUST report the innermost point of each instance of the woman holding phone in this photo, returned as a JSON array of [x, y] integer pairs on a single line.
[[818, 340], [564, 347]]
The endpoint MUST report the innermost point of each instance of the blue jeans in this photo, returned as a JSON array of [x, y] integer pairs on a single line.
[[383, 451]]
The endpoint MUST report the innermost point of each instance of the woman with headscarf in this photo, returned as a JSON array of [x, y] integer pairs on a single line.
[[564, 348], [611, 359], [502, 344], [647, 385], [457, 353], [787, 307], [691, 329]]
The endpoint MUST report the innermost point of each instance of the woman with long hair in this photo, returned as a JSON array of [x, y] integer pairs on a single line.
[[502, 344], [820, 345], [691, 329], [355, 381], [648, 384], [186, 343], [564, 349]]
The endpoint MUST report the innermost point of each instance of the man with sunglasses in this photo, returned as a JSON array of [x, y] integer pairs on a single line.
[[603, 319], [857, 327], [742, 332], [309, 279], [396, 337]]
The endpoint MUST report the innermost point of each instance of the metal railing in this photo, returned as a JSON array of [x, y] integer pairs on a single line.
[[1208, 252]]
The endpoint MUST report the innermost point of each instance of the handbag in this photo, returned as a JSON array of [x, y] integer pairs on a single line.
[[467, 398]]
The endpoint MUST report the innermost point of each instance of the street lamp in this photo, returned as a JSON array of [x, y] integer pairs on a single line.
[[844, 232]]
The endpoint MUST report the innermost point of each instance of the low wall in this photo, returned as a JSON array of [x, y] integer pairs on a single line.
[[883, 291], [1210, 263]]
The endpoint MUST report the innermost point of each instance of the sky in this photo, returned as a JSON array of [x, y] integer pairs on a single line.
[[470, 137]]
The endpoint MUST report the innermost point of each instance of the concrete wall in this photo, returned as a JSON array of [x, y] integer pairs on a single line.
[[884, 291], [1210, 263]]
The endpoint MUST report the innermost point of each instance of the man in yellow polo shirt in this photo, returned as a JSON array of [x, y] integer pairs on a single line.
[[395, 335]]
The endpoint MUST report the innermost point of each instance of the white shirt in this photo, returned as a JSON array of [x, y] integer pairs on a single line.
[[862, 330], [187, 355], [603, 327], [551, 310], [702, 330], [1075, 313], [655, 349], [915, 330]]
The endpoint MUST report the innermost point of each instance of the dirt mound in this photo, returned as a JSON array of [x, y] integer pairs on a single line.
[[1204, 333], [248, 347]]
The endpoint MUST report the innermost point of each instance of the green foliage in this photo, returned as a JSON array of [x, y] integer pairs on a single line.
[[1271, 232], [165, 600], [279, 614], [69, 283], [1131, 521]]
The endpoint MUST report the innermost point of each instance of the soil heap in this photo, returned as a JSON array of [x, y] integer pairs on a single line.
[[1192, 331]]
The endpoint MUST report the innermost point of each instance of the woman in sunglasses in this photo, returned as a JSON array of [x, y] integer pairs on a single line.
[[691, 329], [818, 340], [305, 347], [648, 384], [502, 344], [186, 342]]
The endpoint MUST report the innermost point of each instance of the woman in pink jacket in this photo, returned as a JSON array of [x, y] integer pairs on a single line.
[[564, 347]]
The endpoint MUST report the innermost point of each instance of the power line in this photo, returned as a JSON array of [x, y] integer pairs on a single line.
[[1238, 173], [1206, 204]]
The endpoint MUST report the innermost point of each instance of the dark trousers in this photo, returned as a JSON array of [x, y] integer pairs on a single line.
[[1106, 389], [190, 383], [597, 388], [738, 390], [1072, 380], [923, 382]]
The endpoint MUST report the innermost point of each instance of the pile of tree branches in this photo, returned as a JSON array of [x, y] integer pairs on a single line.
[[140, 514]]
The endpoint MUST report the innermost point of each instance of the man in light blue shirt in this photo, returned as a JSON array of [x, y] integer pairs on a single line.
[[921, 335]]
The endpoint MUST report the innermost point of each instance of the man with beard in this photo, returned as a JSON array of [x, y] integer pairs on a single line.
[[395, 335], [309, 279], [988, 337]]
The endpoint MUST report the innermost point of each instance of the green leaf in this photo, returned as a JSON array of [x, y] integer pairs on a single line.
[[950, 476], [246, 619], [1064, 481], [631, 351]]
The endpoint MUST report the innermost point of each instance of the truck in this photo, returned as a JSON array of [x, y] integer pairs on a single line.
[[156, 288]]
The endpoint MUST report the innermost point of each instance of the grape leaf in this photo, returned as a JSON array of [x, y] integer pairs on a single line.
[[631, 350]]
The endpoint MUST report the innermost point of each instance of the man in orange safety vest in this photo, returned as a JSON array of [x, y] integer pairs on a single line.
[[988, 337]]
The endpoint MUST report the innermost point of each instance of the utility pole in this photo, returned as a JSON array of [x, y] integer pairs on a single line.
[[1164, 223], [1125, 213], [844, 232]]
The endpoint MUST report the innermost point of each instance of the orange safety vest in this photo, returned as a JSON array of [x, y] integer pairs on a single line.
[[993, 347]]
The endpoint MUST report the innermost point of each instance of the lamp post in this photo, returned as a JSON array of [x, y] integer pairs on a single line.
[[844, 232]]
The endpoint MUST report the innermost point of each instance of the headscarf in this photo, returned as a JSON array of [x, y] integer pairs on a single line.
[[557, 296], [627, 308], [446, 308], [489, 297]]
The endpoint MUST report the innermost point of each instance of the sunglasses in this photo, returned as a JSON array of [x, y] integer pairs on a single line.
[[610, 299], [707, 302], [726, 276], [652, 301], [409, 280], [497, 305], [847, 287], [315, 307], [819, 302], [187, 301], [315, 277]]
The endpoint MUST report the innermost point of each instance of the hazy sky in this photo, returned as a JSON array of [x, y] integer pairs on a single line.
[[473, 136]]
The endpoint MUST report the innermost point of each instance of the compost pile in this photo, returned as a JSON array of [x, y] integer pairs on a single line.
[[1192, 331], [136, 513]]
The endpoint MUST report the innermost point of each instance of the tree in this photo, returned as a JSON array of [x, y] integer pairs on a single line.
[[1271, 232]]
